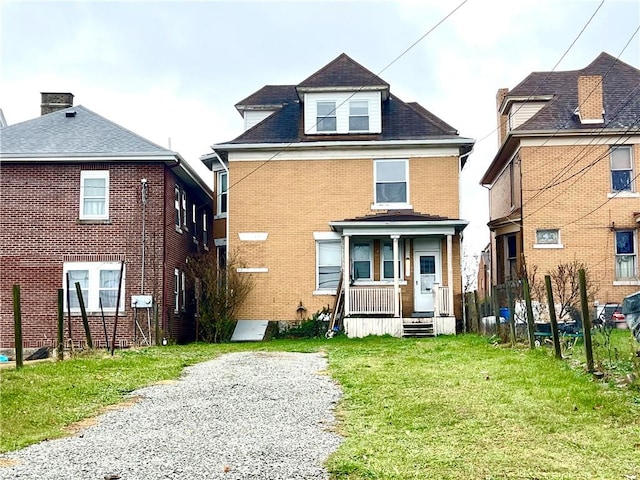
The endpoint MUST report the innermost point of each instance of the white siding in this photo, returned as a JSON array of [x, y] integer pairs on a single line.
[[520, 112], [252, 117], [342, 110]]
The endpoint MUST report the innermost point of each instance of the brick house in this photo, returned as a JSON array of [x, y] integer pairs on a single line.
[[563, 184], [80, 195], [339, 190]]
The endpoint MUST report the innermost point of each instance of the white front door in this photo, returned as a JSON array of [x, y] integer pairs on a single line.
[[426, 273]]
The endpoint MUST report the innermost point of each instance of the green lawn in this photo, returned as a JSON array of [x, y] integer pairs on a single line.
[[439, 408]]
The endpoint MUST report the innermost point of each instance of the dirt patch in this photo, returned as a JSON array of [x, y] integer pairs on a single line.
[[7, 462], [77, 427]]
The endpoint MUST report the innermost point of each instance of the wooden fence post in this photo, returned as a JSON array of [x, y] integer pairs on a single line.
[[496, 307], [17, 325], [83, 312], [530, 323], [586, 320], [115, 320], [61, 324], [552, 317]]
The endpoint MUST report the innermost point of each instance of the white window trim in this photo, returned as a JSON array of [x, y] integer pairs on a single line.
[[332, 114], [361, 281], [177, 213], [621, 193], [102, 174], [92, 304], [367, 116], [318, 290], [176, 291], [400, 260], [184, 211], [634, 239], [548, 245], [220, 194], [183, 290], [390, 205]]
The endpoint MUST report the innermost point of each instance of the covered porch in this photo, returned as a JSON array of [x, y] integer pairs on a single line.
[[397, 274]]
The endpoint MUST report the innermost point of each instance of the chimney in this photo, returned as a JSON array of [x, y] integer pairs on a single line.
[[52, 102], [590, 100], [502, 119]]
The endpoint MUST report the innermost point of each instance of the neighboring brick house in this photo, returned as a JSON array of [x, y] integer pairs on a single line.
[[563, 185], [79, 195], [335, 175]]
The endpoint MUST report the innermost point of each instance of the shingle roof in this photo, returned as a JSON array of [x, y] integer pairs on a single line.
[[62, 134], [270, 95], [620, 91], [401, 120], [343, 72]]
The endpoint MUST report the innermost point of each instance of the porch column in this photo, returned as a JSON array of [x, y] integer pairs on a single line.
[[450, 271], [396, 275], [346, 274]]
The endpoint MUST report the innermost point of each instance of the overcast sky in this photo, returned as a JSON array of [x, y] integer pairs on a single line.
[[173, 71]]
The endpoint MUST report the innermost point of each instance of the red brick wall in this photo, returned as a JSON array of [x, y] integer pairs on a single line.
[[39, 231]]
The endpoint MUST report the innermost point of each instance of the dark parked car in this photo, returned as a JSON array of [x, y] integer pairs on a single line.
[[631, 312]]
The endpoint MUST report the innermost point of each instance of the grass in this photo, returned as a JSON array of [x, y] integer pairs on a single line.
[[441, 408]]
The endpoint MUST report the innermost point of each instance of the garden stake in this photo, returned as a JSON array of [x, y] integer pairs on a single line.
[[552, 317]]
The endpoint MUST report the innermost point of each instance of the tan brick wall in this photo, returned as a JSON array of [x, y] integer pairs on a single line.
[[590, 98], [500, 193], [580, 190], [291, 199]]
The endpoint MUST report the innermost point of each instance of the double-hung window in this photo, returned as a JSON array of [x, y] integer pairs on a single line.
[[94, 195], [326, 117], [222, 193], [362, 258], [626, 256], [99, 283], [387, 261], [621, 169], [194, 223], [329, 264], [176, 290], [185, 214], [205, 232], [176, 203], [511, 252], [358, 116], [391, 179]]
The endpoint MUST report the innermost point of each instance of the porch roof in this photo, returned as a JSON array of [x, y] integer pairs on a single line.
[[400, 222]]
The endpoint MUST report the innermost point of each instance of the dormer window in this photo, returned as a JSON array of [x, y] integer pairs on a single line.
[[326, 116], [358, 116], [342, 112]]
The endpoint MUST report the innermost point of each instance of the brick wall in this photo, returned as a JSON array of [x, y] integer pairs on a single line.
[[581, 192], [291, 199], [39, 231]]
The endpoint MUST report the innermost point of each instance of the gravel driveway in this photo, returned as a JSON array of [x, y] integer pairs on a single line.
[[250, 415]]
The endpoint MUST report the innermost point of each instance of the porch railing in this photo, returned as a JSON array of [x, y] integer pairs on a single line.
[[443, 305], [371, 300]]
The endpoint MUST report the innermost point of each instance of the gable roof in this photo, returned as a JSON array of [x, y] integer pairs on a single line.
[[71, 132], [619, 82], [343, 72]]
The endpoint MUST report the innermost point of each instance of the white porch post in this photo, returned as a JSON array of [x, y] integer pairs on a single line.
[[450, 271], [396, 275], [346, 274]]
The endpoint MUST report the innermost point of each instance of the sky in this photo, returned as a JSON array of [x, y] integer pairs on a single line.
[[173, 71]]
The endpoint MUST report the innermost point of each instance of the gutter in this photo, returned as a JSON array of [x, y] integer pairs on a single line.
[[457, 142]]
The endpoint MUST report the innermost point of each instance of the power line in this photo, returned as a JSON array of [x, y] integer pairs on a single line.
[[347, 99]]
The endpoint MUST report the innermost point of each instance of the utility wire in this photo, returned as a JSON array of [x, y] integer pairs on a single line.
[[446, 17]]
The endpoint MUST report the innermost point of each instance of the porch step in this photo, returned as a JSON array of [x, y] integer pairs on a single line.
[[418, 330]]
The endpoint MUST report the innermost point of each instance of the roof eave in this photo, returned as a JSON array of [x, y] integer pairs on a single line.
[[461, 142]]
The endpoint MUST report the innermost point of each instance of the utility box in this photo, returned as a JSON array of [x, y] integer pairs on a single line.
[[141, 301]]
